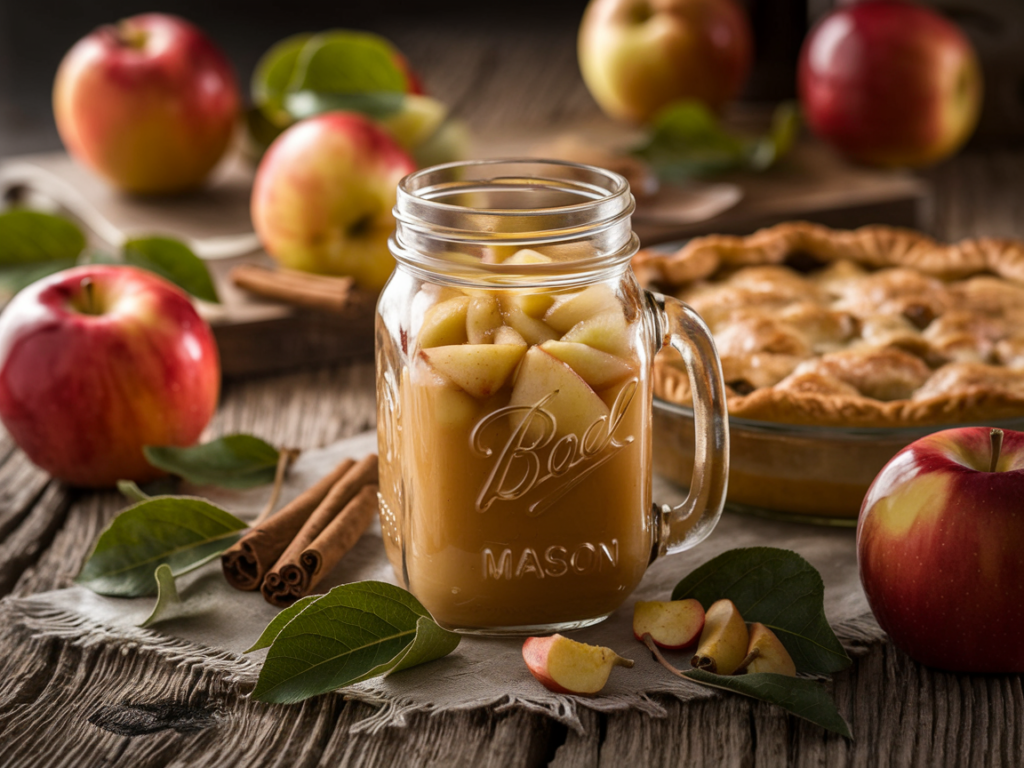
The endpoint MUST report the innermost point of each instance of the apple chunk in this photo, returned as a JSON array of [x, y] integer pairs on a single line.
[[723, 641], [530, 328], [445, 323], [597, 368], [607, 331], [506, 335], [577, 307], [480, 369], [766, 653], [527, 256], [566, 666], [670, 623], [482, 318], [569, 400]]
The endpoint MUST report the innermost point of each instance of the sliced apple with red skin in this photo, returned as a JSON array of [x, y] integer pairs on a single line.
[[444, 324], [670, 623], [723, 641], [766, 653], [566, 666], [480, 369], [530, 328], [597, 368], [574, 308], [482, 319], [570, 401], [607, 331]]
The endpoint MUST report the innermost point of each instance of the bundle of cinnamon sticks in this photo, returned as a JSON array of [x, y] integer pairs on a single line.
[[288, 555]]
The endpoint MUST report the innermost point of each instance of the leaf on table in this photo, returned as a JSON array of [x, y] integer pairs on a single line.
[[804, 698], [33, 237], [173, 261], [167, 597], [131, 491], [280, 621], [234, 461], [354, 632], [343, 61], [181, 531], [274, 72], [302, 104], [781, 590]]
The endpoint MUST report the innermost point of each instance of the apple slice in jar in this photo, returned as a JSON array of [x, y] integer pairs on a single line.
[[480, 369], [530, 328], [506, 335], [599, 369], [444, 324], [483, 318], [435, 397], [548, 384], [607, 331], [574, 308], [527, 256]]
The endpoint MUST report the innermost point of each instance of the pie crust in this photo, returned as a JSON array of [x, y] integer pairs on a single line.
[[873, 327]]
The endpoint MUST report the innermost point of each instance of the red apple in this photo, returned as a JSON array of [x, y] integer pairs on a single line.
[[940, 543], [323, 196], [637, 56], [890, 83], [149, 103], [98, 361]]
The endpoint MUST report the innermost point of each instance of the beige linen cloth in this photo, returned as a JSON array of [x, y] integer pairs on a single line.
[[215, 623]]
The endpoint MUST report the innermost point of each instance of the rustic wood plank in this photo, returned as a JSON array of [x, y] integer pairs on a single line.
[[24, 545]]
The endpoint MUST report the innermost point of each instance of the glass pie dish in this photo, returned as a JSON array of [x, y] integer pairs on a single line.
[[807, 473]]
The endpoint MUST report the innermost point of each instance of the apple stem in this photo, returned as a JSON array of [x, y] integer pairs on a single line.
[[284, 459], [89, 288], [754, 653], [649, 642], [996, 435]]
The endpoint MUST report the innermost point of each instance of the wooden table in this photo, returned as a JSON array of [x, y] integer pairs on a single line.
[[900, 712]]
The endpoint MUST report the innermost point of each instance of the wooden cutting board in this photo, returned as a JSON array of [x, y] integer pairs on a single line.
[[257, 336]]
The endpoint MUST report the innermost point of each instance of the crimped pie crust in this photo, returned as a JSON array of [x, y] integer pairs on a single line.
[[908, 350]]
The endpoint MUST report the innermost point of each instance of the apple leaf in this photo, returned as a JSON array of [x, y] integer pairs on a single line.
[[167, 596], [181, 531], [131, 491], [302, 104], [233, 461], [354, 632], [274, 71], [173, 261], [804, 698], [32, 237], [14, 278], [688, 141], [781, 590], [280, 621], [342, 61]]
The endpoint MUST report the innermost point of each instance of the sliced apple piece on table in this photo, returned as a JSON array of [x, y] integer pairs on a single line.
[[527, 256], [480, 369], [506, 335], [670, 623], [574, 308], [574, 406], [607, 331], [444, 324], [766, 653], [530, 328], [597, 368], [567, 666], [723, 641], [482, 319]]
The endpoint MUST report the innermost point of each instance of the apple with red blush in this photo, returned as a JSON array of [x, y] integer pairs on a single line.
[[940, 545], [98, 361]]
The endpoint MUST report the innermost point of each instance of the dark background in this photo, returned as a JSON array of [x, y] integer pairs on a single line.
[[35, 34]]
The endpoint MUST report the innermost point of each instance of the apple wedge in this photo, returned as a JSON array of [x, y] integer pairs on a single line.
[[573, 405], [482, 318], [766, 653], [444, 324], [530, 328], [533, 304], [577, 307], [723, 641], [480, 369], [527, 256], [505, 335], [607, 331], [597, 368], [434, 397], [670, 623], [566, 666]]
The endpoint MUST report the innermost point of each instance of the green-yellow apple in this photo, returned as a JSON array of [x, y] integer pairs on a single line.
[[890, 83], [723, 640], [323, 195], [97, 362], [149, 103], [637, 56], [567, 666], [671, 624], [940, 545]]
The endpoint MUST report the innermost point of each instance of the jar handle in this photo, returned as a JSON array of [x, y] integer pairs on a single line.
[[689, 523]]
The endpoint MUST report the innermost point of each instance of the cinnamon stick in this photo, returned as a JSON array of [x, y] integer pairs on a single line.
[[299, 578], [248, 560], [324, 292], [344, 490]]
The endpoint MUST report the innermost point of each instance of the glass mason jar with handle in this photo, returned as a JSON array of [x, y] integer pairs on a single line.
[[514, 349]]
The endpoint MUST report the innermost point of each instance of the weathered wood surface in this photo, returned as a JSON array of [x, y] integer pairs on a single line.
[[54, 696]]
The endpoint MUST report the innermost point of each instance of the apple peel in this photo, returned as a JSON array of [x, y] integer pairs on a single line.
[[563, 665]]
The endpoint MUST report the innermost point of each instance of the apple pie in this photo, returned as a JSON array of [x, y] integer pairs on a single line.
[[872, 327]]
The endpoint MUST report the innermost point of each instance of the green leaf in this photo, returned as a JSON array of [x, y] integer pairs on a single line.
[[31, 237], [274, 627], [131, 491], [688, 141], [302, 104], [779, 589], [342, 61], [233, 461], [174, 261], [354, 632], [181, 531], [274, 71], [807, 699], [166, 595], [14, 278]]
